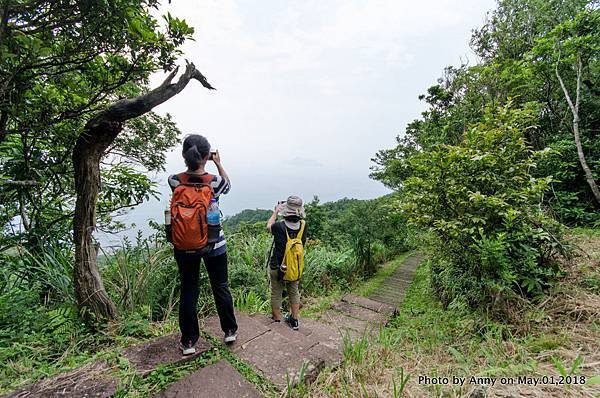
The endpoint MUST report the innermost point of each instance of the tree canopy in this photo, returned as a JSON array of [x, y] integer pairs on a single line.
[[521, 47], [61, 62]]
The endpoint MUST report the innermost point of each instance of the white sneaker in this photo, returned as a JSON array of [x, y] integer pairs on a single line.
[[230, 337], [187, 349]]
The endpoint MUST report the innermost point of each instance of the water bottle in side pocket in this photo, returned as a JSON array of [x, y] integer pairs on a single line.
[[213, 219]]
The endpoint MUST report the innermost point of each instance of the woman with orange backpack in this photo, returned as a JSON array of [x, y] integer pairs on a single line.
[[195, 237]]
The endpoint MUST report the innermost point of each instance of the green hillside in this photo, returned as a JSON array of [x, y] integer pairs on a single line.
[[246, 216]]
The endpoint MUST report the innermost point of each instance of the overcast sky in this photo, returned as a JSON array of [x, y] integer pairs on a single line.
[[308, 91]]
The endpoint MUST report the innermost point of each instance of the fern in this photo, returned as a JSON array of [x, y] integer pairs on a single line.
[[62, 321]]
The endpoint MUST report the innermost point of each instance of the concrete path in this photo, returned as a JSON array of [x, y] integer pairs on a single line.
[[280, 354], [392, 290]]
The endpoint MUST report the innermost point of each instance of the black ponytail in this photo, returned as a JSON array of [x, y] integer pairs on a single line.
[[195, 148]]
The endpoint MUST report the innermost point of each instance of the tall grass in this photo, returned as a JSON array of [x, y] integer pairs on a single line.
[[40, 328], [142, 275], [325, 268]]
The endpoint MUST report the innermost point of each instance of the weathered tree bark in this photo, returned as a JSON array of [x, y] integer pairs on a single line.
[[99, 133], [589, 177]]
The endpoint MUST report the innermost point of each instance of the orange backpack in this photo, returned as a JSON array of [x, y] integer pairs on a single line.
[[189, 205]]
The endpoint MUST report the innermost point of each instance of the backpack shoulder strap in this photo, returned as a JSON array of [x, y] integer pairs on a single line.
[[299, 235], [302, 223], [184, 179]]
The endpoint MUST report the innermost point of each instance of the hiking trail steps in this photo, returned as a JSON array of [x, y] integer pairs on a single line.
[[393, 288], [279, 353]]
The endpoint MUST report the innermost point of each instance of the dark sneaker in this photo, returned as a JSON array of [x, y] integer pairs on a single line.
[[230, 337], [293, 322], [187, 348]]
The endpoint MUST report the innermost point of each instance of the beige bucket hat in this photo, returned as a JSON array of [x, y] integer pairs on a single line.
[[293, 207]]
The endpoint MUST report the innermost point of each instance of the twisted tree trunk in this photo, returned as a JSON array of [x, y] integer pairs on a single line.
[[99, 133]]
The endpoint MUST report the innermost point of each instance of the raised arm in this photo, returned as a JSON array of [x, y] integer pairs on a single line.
[[273, 218], [216, 158]]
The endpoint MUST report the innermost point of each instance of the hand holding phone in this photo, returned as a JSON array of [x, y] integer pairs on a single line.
[[278, 207], [215, 157]]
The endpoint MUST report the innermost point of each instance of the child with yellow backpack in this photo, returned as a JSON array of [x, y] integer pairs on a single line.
[[286, 264]]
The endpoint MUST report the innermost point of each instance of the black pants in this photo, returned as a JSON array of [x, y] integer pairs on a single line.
[[189, 270]]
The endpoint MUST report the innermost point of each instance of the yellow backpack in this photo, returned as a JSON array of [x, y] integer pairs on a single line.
[[293, 257]]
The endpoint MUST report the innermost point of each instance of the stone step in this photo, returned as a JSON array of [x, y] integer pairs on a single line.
[[316, 331], [388, 300], [281, 360], [92, 380], [301, 338], [404, 279], [147, 356], [219, 380], [279, 352], [392, 296], [412, 263], [248, 330], [361, 313], [324, 333], [369, 304], [347, 325], [389, 293], [390, 290]]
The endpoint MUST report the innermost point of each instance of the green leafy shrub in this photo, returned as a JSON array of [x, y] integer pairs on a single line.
[[373, 229], [493, 239], [326, 269], [250, 302], [571, 205], [247, 253]]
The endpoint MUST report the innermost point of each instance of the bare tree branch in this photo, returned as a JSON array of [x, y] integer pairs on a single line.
[[589, 177], [127, 109]]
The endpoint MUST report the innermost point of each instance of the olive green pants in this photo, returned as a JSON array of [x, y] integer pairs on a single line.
[[277, 290]]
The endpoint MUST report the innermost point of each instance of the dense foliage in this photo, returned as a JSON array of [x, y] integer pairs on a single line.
[[60, 63], [247, 216], [523, 46], [504, 146], [491, 235]]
